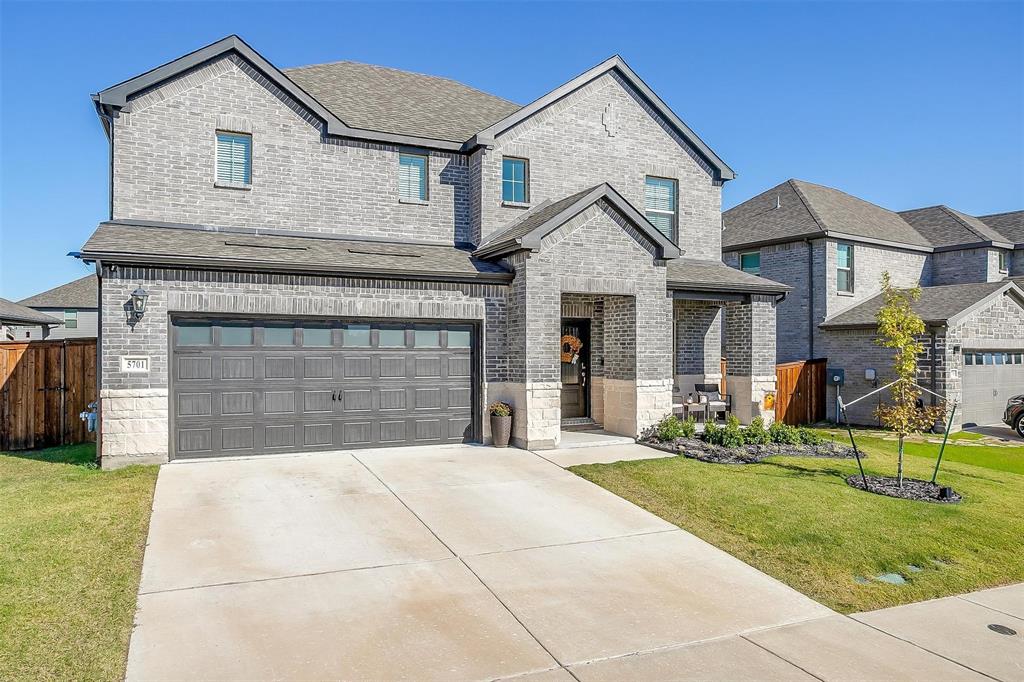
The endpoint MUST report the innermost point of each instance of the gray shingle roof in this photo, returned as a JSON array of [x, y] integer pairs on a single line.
[[710, 276], [393, 101], [199, 246], [937, 305], [527, 231], [82, 293], [797, 209], [943, 226], [15, 313], [1010, 225]]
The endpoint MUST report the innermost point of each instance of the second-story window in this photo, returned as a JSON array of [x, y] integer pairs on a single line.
[[234, 158], [71, 319], [660, 205], [1003, 267], [515, 180], [751, 263], [844, 268], [412, 177]]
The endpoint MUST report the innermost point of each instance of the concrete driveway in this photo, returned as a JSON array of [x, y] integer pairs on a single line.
[[457, 563]]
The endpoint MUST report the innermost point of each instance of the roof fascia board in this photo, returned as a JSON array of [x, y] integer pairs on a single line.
[[262, 266], [974, 245], [117, 96], [730, 248], [486, 137], [878, 242], [691, 294], [745, 288], [1009, 289]]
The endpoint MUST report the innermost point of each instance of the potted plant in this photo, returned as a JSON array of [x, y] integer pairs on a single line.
[[501, 423]]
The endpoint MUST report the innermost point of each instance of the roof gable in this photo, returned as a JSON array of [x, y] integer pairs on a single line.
[[527, 232], [1009, 224], [15, 313], [81, 293], [937, 305], [719, 169]]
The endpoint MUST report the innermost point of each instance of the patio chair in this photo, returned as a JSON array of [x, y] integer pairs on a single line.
[[716, 401]]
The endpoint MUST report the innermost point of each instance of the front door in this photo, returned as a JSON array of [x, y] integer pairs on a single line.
[[575, 355]]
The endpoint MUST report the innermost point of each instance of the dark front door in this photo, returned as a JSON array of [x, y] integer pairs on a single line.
[[575, 355]]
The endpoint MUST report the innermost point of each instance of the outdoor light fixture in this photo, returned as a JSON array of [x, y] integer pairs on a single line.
[[136, 306]]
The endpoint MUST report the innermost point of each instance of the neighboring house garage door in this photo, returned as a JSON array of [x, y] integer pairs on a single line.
[[990, 378], [243, 387]]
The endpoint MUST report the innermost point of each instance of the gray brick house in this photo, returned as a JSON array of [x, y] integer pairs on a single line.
[[832, 248], [76, 303], [344, 255]]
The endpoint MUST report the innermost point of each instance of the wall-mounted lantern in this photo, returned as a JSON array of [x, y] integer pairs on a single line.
[[136, 306]]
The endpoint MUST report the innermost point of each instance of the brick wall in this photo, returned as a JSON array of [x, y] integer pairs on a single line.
[[966, 265], [569, 148], [164, 165]]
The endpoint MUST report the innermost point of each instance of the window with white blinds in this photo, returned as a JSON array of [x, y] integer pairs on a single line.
[[660, 205], [234, 158], [412, 177]]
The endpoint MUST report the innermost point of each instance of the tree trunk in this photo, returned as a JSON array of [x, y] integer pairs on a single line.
[[899, 465]]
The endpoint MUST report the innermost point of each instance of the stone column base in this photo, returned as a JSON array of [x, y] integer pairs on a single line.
[[134, 428]]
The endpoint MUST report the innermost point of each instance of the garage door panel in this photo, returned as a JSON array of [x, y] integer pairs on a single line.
[[231, 401], [988, 385]]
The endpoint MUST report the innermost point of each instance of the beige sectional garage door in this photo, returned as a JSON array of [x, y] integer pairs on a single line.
[[243, 387], [990, 378]]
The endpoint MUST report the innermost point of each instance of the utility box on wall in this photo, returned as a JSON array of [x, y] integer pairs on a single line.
[[835, 376]]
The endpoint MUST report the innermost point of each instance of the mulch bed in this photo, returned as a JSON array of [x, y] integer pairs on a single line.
[[913, 489], [750, 454]]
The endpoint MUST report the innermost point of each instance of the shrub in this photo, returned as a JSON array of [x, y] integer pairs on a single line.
[[808, 437], [783, 434], [669, 429], [756, 433], [689, 427], [712, 433], [729, 436]]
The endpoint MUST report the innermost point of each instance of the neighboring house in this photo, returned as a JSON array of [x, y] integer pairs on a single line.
[[344, 255], [76, 303], [13, 316], [832, 248]]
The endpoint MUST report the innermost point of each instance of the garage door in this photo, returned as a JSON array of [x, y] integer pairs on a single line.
[[990, 378], [242, 387]]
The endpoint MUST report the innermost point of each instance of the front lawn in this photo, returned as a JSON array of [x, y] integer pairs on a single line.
[[797, 520], [71, 543]]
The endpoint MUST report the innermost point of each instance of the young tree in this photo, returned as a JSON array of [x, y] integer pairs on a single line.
[[899, 328]]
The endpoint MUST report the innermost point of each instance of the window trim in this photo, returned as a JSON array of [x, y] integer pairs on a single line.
[[425, 189], [674, 237], [526, 181], [231, 184], [751, 253], [850, 269], [72, 318], [1004, 262]]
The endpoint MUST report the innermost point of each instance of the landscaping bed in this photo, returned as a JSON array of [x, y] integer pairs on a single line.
[[731, 444], [912, 489]]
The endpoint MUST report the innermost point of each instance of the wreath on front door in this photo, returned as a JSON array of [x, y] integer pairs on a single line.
[[570, 347]]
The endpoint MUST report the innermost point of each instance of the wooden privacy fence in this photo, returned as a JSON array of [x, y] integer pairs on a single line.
[[800, 391], [44, 385]]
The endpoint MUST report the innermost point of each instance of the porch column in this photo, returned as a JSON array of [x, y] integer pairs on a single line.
[[698, 339], [750, 351]]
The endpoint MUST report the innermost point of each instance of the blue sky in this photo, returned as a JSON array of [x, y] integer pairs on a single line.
[[904, 104]]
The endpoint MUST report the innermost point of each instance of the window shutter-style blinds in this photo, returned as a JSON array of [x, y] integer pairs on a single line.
[[660, 204], [412, 177], [234, 158]]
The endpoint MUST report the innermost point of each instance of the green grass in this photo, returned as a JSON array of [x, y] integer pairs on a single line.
[[71, 543], [797, 520], [1009, 459]]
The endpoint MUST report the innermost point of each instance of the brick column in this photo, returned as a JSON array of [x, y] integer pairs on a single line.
[[750, 351]]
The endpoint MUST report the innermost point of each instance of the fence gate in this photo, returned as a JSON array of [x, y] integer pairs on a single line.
[[44, 385], [800, 391]]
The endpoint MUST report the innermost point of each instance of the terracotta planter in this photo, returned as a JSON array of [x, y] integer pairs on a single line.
[[501, 430]]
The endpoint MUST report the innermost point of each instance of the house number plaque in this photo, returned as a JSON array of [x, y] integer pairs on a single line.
[[136, 364]]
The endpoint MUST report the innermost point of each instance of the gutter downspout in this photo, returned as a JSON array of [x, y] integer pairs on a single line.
[[810, 299], [99, 361]]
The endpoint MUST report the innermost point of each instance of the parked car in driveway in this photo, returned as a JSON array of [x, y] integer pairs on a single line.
[[1014, 415]]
